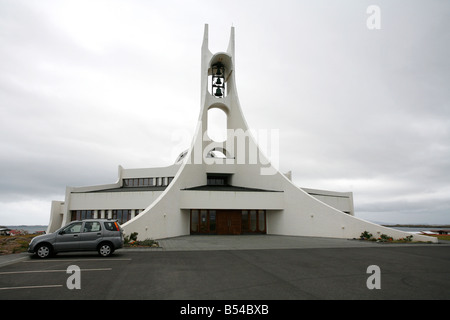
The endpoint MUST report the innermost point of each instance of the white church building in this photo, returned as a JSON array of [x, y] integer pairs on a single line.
[[217, 187]]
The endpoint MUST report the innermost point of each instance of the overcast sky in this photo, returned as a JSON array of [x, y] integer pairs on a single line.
[[86, 86]]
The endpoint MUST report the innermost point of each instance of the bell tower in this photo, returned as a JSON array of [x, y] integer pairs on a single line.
[[218, 90]]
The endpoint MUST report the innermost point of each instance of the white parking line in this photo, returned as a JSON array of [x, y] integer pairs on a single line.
[[42, 271], [33, 287], [64, 260]]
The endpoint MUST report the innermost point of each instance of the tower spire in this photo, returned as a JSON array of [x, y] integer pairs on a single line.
[[230, 49], [205, 43]]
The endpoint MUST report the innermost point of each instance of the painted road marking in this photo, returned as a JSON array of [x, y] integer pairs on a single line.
[[65, 260], [41, 271], [33, 287]]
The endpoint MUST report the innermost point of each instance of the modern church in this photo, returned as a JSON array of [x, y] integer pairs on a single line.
[[216, 187]]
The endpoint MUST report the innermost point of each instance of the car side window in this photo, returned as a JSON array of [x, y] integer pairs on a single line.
[[111, 226], [73, 228], [91, 226]]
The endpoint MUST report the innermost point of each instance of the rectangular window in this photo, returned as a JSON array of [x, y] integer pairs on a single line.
[[252, 220], [81, 214], [203, 220], [121, 215], [212, 220], [217, 180], [245, 221], [261, 220], [146, 182], [194, 220]]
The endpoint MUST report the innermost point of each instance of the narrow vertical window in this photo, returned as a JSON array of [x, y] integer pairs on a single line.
[[261, 220], [212, 220], [253, 220], [244, 221], [194, 220], [203, 220]]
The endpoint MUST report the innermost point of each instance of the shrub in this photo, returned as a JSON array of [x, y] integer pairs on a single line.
[[366, 235], [131, 238], [406, 239], [148, 242], [384, 238]]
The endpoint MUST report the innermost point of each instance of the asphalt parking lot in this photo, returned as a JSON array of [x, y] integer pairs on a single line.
[[325, 272]]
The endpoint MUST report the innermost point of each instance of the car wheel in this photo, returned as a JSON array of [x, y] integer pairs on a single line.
[[43, 251], [105, 250]]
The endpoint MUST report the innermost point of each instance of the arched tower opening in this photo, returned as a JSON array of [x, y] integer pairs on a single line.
[[217, 123], [219, 75]]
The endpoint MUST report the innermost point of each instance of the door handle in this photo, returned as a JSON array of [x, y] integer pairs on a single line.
[[75, 235]]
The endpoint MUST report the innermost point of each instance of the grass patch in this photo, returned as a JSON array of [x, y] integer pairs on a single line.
[[440, 236], [15, 244]]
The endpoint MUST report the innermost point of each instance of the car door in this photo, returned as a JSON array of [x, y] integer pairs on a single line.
[[68, 238], [91, 235]]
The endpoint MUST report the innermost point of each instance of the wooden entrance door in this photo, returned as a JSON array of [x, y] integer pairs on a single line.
[[229, 222]]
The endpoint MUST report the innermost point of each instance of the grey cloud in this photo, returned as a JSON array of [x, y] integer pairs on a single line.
[[358, 110]]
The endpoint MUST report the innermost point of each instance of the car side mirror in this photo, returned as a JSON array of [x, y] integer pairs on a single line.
[[61, 232]]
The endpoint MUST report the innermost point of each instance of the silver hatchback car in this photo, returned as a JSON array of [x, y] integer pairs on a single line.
[[100, 235]]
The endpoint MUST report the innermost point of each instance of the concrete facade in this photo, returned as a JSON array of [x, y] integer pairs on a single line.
[[220, 176]]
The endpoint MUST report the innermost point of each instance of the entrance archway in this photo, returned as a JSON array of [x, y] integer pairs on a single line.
[[233, 222]]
